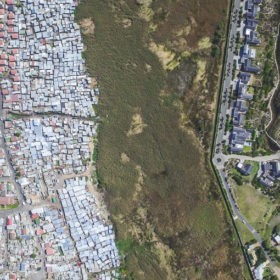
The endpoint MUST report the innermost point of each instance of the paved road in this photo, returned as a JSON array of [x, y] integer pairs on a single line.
[[20, 195], [228, 68], [275, 156], [220, 159], [25, 208], [12, 177]]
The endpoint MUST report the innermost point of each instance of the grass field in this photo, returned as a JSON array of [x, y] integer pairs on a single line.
[[255, 206], [167, 211], [10, 206], [245, 234]]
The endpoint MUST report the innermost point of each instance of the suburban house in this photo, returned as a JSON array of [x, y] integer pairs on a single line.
[[244, 168], [251, 37], [241, 91], [270, 173], [238, 138]]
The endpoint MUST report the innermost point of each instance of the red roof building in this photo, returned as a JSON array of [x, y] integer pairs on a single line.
[[6, 200], [13, 72], [3, 62], [39, 231], [2, 12], [11, 16], [2, 69], [5, 91], [15, 98], [16, 79], [13, 138], [14, 36], [9, 221], [10, 22], [1, 42], [14, 51], [12, 58], [34, 216], [2, 34], [3, 56], [12, 64], [50, 251], [9, 2]]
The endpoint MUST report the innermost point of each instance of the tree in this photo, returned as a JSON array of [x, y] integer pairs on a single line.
[[238, 180], [33, 256], [276, 229]]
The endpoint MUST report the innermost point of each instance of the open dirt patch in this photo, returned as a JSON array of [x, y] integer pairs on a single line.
[[144, 2], [126, 22], [137, 125], [204, 43], [181, 79], [139, 183], [87, 26], [148, 67], [200, 73], [165, 56], [93, 82], [145, 12], [124, 158], [183, 31], [166, 257]]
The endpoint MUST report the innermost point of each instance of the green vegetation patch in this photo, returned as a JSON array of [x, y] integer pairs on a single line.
[[255, 206], [7, 207], [162, 185], [247, 149], [199, 220], [245, 234]]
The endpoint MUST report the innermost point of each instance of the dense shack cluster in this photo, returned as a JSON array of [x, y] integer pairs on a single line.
[[94, 240], [46, 147], [51, 224], [42, 60]]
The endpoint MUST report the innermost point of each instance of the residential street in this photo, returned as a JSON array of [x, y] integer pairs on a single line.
[[12, 177], [226, 89]]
